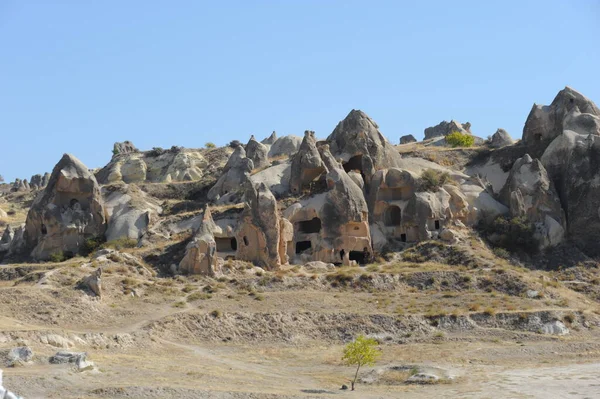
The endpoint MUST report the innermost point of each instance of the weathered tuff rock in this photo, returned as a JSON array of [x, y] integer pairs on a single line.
[[157, 166], [271, 139], [306, 163], [333, 226], [201, 253], [20, 185], [358, 143], [262, 235], [235, 174], [5, 393], [570, 110], [530, 193], [125, 147], [6, 239], [257, 152], [38, 182], [445, 128], [93, 282], [130, 211], [409, 138], [69, 210], [3, 213], [19, 356], [285, 146], [501, 139], [572, 163]]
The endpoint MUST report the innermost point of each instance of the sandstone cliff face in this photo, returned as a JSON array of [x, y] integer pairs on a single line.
[[69, 210]]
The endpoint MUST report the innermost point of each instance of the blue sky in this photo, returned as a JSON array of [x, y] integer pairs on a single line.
[[76, 76]]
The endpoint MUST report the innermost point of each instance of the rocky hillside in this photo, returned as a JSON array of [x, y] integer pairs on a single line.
[[299, 241]]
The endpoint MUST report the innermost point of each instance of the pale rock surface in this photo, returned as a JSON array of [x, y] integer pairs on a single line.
[[130, 211], [444, 128], [201, 253], [258, 153], [285, 146], [69, 210], [501, 139], [306, 164]]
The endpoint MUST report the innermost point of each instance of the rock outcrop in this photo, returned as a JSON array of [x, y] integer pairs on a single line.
[[271, 139], [126, 147], [409, 138], [257, 152], [69, 210], [359, 144], [235, 174], [93, 282], [201, 253], [570, 110], [444, 128], [530, 193], [500, 139], [285, 146], [156, 166], [261, 232], [332, 226], [306, 164], [130, 212], [38, 182]]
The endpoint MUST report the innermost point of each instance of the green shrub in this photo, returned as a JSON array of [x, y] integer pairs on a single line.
[[58, 257], [513, 234], [90, 245], [432, 179], [120, 243], [501, 253], [458, 139], [210, 145]]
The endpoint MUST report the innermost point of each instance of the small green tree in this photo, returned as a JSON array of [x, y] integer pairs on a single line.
[[458, 139], [210, 145], [360, 352]]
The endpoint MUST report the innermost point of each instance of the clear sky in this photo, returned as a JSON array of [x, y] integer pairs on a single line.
[[76, 76]]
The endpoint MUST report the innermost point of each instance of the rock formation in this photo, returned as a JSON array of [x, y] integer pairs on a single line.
[[570, 110], [38, 182], [69, 210], [306, 164], [260, 228], [201, 253], [445, 128], [6, 239], [125, 147], [157, 166], [93, 282], [271, 139], [130, 212], [409, 138], [257, 152], [331, 226], [285, 146], [500, 139], [235, 173], [530, 193], [358, 143]]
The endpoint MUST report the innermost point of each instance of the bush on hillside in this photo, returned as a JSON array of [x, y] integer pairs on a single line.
[[432, 179], [458, 139]]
